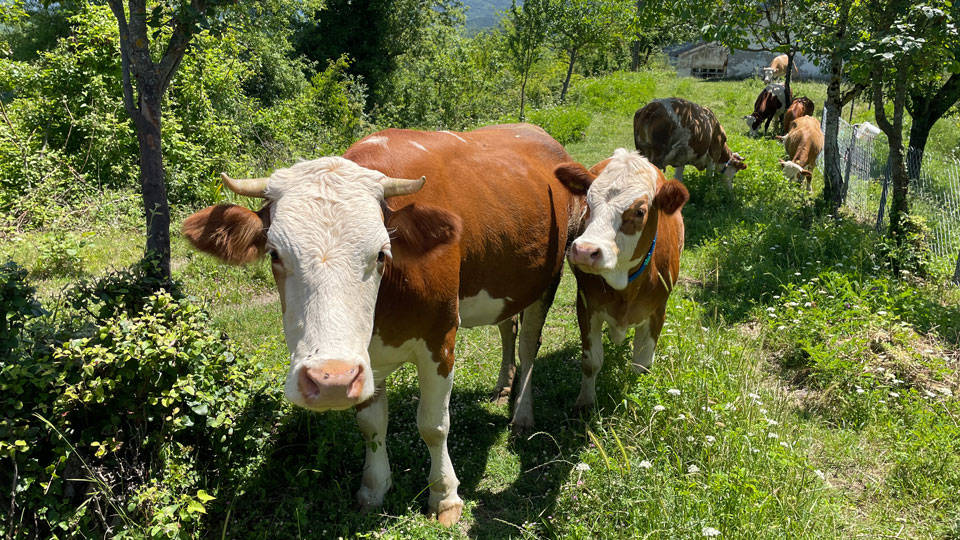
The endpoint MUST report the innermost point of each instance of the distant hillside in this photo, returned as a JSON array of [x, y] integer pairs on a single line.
[[484, 13]]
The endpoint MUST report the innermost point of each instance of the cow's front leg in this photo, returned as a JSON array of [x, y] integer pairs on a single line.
[[372, 418], [591, 340], [433, 421]]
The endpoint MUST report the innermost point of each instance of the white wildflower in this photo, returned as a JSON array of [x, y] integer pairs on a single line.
[[693, 469], [819, 473], [658, 408], [710, 439], [772, 435], [772, 422], [710, 531], [645, 464], [582, 467], [673, 392]]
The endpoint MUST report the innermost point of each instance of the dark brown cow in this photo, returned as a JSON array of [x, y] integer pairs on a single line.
[[771, 103], [626, 256], [802, 106], [677, 132], [375, 271]]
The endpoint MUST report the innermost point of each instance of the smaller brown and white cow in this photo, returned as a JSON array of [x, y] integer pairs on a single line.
[[626, 257], [803, 144], [802, 106], [677, 132], [771, 103], [778, 69]]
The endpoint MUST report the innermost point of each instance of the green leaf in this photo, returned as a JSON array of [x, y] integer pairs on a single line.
[[204, 496]]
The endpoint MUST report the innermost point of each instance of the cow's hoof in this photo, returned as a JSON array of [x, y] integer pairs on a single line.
[[500, 396], [368, 499], [449, 512], [522, 424]]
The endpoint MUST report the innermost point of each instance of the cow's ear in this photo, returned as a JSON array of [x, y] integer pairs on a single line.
[[417, 229], [671, 196], [574, 177], [231, 233]]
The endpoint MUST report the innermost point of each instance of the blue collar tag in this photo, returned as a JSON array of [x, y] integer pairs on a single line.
[[646, 261]]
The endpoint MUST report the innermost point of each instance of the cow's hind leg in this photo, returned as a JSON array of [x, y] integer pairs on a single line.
[[372, 419], [508, 365], [678, 173], [433, 421], [531, 326], [645, 341]]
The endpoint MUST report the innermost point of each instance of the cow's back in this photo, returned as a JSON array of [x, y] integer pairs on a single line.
[[804, 142], [675, 131], [516, 216]]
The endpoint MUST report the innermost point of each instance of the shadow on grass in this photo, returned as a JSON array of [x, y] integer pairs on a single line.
[[304, 486]]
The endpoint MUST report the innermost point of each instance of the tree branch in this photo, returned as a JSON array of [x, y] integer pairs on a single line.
[[852, 93], [880, 112], [117, 7]]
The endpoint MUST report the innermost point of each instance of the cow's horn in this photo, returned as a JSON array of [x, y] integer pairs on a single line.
[[250, 187], [393, 187]]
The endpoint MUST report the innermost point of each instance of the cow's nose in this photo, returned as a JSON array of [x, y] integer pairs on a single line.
[[332, 383], [584, 253]]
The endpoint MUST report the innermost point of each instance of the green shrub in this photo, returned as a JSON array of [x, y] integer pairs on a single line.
[[134, 411], [60, 255], [565, 124], [18, 305], [913, 255]]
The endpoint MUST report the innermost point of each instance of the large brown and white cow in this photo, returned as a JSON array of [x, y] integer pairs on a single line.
[[802, 106], [778, 69], [626, 256], [677, 132], [771, 103], [803, 144], [375, 270]]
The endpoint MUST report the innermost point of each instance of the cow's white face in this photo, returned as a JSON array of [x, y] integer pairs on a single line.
[[791, 170], [328, 246], [619, 200]]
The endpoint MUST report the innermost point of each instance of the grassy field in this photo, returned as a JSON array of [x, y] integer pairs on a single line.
[[797, 390]]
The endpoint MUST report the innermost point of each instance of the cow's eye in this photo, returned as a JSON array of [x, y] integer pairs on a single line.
[[382, 256], [274, 258]]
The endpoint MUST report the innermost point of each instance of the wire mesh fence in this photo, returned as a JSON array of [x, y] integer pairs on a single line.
[[934, 186]]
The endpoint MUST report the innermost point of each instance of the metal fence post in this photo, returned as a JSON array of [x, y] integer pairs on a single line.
[[883, 198], [849, 165]]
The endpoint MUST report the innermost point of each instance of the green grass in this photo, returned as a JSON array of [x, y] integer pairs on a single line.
[[750, 424]]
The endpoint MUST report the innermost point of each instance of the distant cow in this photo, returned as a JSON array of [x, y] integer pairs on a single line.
[[375, 270], [803, 144], [770, 104], [802, 106], [626, 258], [778, 69], [677, 132]]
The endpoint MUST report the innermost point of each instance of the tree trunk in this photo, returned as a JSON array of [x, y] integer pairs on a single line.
[[832, 109], [566, 81], [523, 94], [635, 55], [919, 132], [153, 185], [899, 205]]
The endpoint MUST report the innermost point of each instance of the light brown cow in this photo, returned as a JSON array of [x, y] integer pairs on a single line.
[[375, 271], [677, 132], [803, 144], [778, 68], [802, 106], [626, 256]]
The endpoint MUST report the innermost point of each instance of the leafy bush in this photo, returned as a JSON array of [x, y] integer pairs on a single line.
[[18, 304], [913, 255], [135, 409], [60, 255], [565, 124]]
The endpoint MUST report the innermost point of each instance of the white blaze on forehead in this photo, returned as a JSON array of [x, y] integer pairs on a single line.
[[627, 177]]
